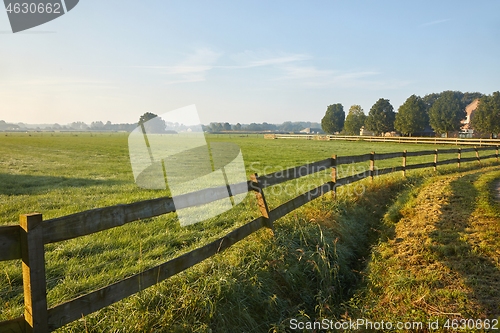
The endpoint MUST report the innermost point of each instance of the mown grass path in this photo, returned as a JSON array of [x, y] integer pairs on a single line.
[[443, 259]]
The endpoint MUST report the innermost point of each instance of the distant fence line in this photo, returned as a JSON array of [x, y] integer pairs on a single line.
[[398, 139], [26, 241]]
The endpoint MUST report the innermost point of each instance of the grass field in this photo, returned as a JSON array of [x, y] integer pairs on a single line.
[[306, 270]]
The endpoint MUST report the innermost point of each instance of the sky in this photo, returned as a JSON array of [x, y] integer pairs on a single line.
[[243, 61]]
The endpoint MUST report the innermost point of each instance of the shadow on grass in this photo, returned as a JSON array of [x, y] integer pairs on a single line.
[[30, 184], [450, 244]]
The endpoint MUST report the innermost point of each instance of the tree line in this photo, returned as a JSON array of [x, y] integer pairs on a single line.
[[287, 126], [443, 112]]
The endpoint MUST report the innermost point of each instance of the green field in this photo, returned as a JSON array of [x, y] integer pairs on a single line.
[[308, 269]]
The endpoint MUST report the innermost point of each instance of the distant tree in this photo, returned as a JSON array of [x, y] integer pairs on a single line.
[[97, 126], [334, 119], [151, 122], [412, 116], [237, 127], [216, 127], [486, 118], [446, 113], [226, 127], [79, 126], [355, 120], [381, 117]]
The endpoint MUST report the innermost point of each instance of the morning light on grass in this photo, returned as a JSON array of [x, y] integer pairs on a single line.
[[420, 248]]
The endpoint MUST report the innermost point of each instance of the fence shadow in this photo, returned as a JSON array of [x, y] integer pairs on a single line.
[[478, 271], [30, 184]]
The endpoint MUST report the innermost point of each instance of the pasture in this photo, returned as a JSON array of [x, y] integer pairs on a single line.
[[62, 173]]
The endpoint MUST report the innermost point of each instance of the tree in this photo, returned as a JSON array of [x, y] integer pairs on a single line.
[[79, 126], [151, 122], [412, 116], [381, 117], [97, 126], [334, 118], [355, 120], [486, 118], [226, 127], [446, 113], [237, 127]]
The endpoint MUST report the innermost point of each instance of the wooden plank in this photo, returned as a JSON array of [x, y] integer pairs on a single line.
[[261, 202], [294, 173], [448, 151], [34, 284], [420, 153], [10, 242], [388, 156], [65, 313], [299, 201], [384, 171], [489, 156], [468, 159], [353, 178], [421, 165], [100, 219], [16, 325], [95, 220], [353, 159], [486, 148], [450, 161]]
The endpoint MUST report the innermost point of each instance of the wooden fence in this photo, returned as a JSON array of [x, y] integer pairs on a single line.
[[398, 139], [26, 241]]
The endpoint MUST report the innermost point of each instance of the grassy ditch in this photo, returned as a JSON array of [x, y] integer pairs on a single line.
[[440, 260]]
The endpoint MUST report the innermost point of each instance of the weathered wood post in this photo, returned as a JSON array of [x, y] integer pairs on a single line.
[[435, 159], [261, 201], [459, 156], [334, 176], [33, 256], [477, 155], [372, 164], [404, 163], [496, 153]]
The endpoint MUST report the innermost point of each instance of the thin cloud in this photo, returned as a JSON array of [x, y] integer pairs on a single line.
[[314, 76], [193, 68], [250, 59], [434, 23]]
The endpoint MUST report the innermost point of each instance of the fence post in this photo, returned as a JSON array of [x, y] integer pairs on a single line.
[[372, 164], [334, 175], [34, 284], [404, 163], [496, 153], [477, 155], [459, 156], [435, 159], [261, 201]]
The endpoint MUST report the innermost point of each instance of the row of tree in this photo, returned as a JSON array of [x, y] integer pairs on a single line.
[[287, 126], [443, 112]]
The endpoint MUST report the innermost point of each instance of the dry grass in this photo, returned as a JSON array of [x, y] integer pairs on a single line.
[[442, 260]]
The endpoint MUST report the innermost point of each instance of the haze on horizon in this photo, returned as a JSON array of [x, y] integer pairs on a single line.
[[256, 62]]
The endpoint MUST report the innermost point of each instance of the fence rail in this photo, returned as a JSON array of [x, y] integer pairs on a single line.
[[26, 241], [398, 139]]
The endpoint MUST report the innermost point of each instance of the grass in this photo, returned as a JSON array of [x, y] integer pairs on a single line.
[[306, 270], [441, 258]]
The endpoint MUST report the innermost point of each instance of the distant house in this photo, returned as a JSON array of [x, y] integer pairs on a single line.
[[466, 130], [311, 130], [365, 132]]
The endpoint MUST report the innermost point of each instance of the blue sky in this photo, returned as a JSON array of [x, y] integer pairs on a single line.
[[243, 62]]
